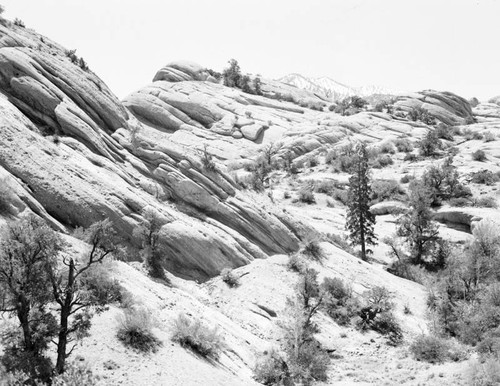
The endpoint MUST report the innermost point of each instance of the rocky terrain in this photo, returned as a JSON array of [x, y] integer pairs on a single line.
[[184, 147]]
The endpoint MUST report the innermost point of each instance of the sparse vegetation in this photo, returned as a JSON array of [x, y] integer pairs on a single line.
[[194, 334], [479, 155], [403, 145], [135, 330], [429, 348], [422, 115], [313, 250], [430, 144], [230, 278]]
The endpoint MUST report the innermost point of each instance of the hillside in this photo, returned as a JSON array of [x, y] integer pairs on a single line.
[[188, 149]]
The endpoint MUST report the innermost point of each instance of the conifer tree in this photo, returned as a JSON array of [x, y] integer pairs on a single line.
[[360, 221]]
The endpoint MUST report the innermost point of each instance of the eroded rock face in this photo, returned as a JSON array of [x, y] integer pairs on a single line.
[[446, 107], [72, 153]]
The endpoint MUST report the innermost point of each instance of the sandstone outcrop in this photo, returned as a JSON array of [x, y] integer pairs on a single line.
[[75, 155], [446, 107]]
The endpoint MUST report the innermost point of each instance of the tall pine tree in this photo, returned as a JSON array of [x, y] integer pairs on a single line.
[[360, 221]]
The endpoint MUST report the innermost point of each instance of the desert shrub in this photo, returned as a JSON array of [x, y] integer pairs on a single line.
[[76, 375], [479, 155], [101, 286], [387, 148], [207, 161], [410, 157], [5, 197], [230, 277], [312, 162], [331, 156], [15, 378], [472, 135], [430, 144], [429, 348], [306, 195], [197, 336], [313, 250], [403, 145], [296, 263], [344, 163], [485, 202], [340, 242], [19, 23], [340, 195], [271, 369], [386, 324], [406, 178], [442, 182], [460, 202], [135, 330], [485, 177], [339, 303], [444, 132], [485, 373], [325, 186], [420, 114], [386, 190], [382, 161], [310, 362], [489, 136]]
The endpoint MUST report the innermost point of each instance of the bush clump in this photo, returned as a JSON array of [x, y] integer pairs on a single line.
[[485, 177], [135, 330], [430, 144], [230, 277], [403, 145], [339, 303], [76, 375], [197, 336], [313, 250], [271, 369], [382, 161], [429, 348], [306, 195], [386, 190], [479, 155], [296, 263]]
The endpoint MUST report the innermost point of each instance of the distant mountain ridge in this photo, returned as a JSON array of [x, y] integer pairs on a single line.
[[331, 88]]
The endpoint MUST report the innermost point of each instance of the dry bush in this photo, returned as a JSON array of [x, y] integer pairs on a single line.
[[485, 373], [197, 336], [230, 278], [429, 348], [5, 197], [479, 155], [135, 329], [271, 369], [76, 375], [296, 263], [313, 250], [403, 145]]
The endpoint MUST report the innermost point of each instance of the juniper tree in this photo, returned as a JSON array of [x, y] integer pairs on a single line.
[[360, 221], [417, 226], [28, 246]]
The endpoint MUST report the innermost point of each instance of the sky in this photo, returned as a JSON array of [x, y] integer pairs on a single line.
[[446, 45]]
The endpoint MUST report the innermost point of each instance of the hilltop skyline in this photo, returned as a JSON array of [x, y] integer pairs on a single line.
[[394, 44]]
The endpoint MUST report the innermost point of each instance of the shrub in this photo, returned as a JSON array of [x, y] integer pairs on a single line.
[[135, 330], [430, 144], [410, 157], [489, 136], [306, 195], [271, 369], [208, 161], [386, 190], [386, 323], [485, 373], [403, 145], [313, 250], [339, 303], [102, 288], [486, 202], [387, 148], [429, 348], [5, 197], [296, 263], [340, 242], [479, 155], [197, 336], [485, 177], [330, 157], [76, 375], [19, 23], [325, 186], [382, 161], [406, 178], [470, 135], [444, 132], [230, 278], [420, 114]]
